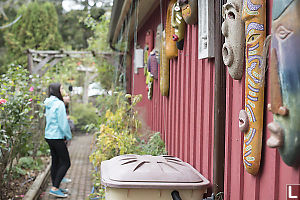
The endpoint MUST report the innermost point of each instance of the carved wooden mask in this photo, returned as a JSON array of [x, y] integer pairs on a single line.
[[158, 37], [171, 49], [254, 16], [164, 73], [178, 24], [189, 11], [233, 31], [285, 80], [149, 40]]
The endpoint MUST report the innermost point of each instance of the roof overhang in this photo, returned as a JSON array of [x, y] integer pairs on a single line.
[[122, 11]]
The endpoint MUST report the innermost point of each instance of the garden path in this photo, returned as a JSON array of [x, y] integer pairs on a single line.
[[80, 171]]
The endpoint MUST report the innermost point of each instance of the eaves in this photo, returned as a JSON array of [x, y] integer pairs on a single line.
[[123, 17]]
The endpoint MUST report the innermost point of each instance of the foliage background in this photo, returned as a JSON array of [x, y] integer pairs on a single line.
[[119, 132], [33, 31], [21, 124], [45, 25]]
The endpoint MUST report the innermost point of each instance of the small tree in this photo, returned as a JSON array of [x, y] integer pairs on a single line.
[[37, 29], [107, 74]]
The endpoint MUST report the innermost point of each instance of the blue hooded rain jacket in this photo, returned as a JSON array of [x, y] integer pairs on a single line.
[[57, 126]]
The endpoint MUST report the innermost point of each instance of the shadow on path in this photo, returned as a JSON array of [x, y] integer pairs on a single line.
[[80, 171]]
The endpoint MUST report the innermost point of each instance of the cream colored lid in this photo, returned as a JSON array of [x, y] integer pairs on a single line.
[[146, 171]]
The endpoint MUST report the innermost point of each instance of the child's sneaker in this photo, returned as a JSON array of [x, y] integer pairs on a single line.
[[66, 191], [58, 193], [66, 180]]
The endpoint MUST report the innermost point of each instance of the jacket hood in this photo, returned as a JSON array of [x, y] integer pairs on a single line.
[[50, 100]]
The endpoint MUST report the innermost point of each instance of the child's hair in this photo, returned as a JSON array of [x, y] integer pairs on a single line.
[[54, 90]]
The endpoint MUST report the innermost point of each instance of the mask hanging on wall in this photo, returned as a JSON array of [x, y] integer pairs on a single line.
[[153, 64], [171, 49], [149, 82], [148, 48], [254, 16], [164, 68], [146, 55], [178, 24], [233, 31], [149, 40], [189, 11], [157, 45], [285, 81]]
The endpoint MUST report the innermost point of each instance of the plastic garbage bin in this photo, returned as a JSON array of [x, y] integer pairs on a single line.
[[135, 177]]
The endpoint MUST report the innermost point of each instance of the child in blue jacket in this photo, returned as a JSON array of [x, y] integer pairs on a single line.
[[57, 131]]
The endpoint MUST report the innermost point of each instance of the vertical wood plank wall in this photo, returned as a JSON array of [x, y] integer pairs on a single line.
[[186, 121]]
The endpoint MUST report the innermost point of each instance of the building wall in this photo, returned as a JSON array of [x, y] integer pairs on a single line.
[[186, 121]]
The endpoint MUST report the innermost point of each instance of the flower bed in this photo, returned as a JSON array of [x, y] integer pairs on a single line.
[[22, 147], [18, 187]]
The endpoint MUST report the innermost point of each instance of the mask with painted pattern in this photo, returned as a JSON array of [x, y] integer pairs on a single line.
[[178, 24], [254, 17], [189, 11], [285, 81]]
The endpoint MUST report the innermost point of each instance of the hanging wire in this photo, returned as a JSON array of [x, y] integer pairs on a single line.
[[124, 60], [161, 57], [119, 65], [136, 23], [135, 34], [161, 18]]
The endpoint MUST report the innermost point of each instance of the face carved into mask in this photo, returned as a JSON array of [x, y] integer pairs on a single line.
[[171, 49], [179, 25], [285, 81], [254, 17], [189, 11], [233, 31]]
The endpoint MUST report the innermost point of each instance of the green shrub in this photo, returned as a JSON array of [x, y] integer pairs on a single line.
[[83, 115], [155, 146], [30, 163], [18, 171], [119, 133], [20, 120], [26, 162]]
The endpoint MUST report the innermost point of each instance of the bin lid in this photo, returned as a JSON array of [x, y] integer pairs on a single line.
[[146, 171]]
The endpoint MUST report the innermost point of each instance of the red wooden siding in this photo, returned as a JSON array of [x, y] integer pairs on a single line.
[[186, 121]]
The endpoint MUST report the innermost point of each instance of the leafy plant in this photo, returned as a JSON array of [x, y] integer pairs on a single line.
[[20, 117], [33, 31], [107, 72], [26, 162], [119, 133], [155, 146], [83, 115], [29, 163], [18, 171]]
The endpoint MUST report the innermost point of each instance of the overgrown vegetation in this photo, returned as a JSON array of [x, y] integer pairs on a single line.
[[46, 26], [22, 147], [34, 31], [83, 115], [155, 145], [107, 75], [21, 115], [120, 133]]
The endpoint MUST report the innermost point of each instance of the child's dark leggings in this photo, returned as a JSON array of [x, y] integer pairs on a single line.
[[60, 160]]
